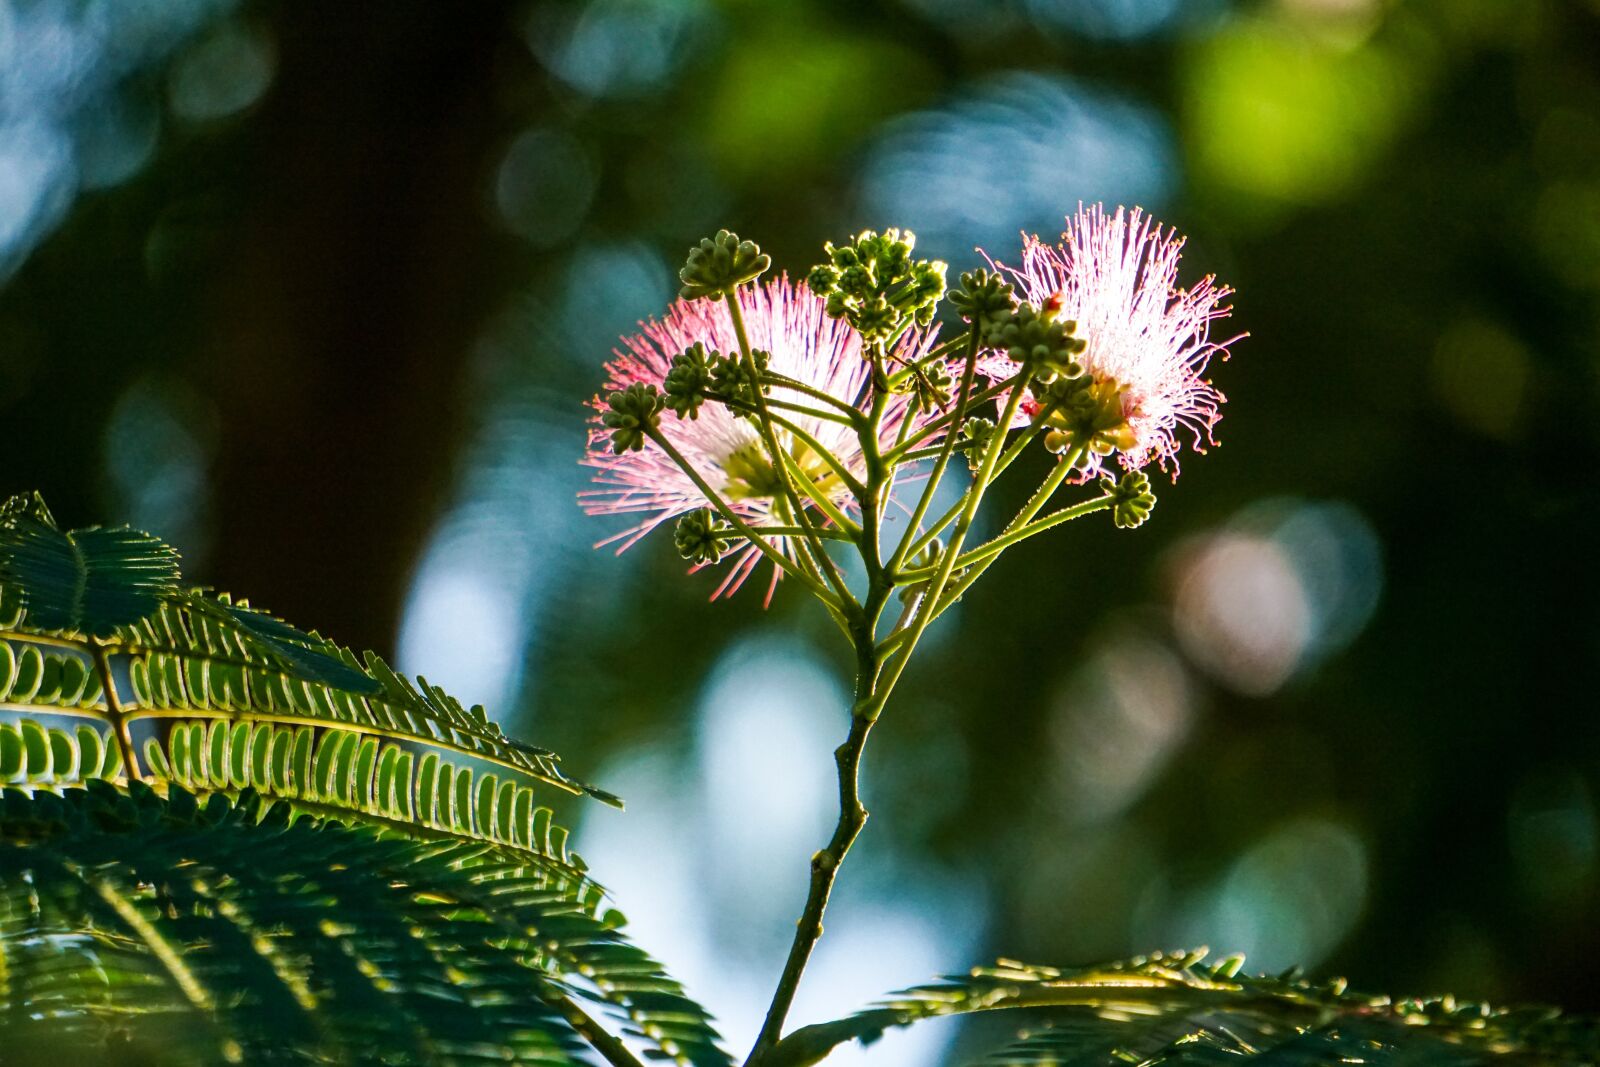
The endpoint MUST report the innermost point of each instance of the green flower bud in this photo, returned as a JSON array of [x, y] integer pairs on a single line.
[[855, 281], [1033, 338], [931, 383], [875, 285], [823, 279], [1132, 500], [634, 412], [976, 433], [720, 265], [689, 382], [985, 299], [873, 317], [701, 537], [730, 379]]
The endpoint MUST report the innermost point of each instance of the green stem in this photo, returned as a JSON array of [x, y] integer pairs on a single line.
[[874, 685], [939, 351], [1013, 450], [600, 1039], [788, 405], [925, 500], [850, 480], [934, 450], [896, 454], [795, 531], [1006, 540], [825, 863], [818, 497], [981, 481], [786, 382], [941, 603], [117, 713], [811, 542]]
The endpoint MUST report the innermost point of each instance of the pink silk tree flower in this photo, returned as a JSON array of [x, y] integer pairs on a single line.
[[789, 323], [1115, 276]]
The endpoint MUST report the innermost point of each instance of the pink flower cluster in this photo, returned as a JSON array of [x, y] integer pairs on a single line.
[[792, 325], [1116, 277]]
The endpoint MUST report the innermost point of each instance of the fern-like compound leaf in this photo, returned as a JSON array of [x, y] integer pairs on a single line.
[[231, 930], [1175, 1008], [196, 917], [111, 669]]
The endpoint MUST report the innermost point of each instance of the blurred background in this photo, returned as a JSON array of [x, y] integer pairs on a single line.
[[320, 296]]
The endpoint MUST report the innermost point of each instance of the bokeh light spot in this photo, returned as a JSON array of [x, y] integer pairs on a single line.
[[793, 94], [1293, 896], [1114, 19], [72, 113], [1480, 374], [768, 718], [608, 290], [1242, 613], [1281, 587], [1117, 722], [464, 625], [545, 185], [1013, 153], [616, 48], [1278, 114], [116, 140], [38, 180], [159, 442], [223, 73], [1555, 840]]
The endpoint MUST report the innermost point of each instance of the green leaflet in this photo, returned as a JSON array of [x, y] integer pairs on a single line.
[[232, 930], [323, 768], [1174, 1008], [182, 658], [32, 753]]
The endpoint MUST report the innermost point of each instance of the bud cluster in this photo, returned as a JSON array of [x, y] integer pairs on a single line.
[[985, 299], [1037, 340], [634, 412], [874, 284], [976, 434], [720, 264], [702, 538], [696, 375], [1089, 411], [1132, 501]]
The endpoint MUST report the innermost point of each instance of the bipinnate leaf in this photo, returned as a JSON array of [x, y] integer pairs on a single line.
[[1176, 1008], [231, 930]]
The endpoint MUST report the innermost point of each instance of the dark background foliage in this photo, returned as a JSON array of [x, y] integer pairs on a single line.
[[320, 296]]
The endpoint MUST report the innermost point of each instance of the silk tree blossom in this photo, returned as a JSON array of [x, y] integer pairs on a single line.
[[1115, 276], [790, 324]]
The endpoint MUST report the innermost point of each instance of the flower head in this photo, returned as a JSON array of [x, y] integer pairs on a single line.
[[1148, 341], [791, 326]]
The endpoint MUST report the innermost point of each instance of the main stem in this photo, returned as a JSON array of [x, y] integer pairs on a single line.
[[826, 862], [872, 690]]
